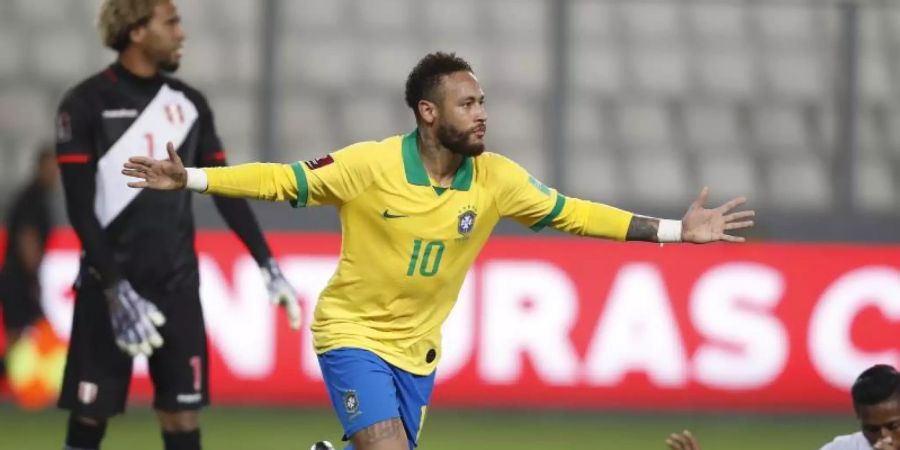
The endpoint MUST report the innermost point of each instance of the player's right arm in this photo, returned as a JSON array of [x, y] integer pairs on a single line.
[[332, 180], [78, 168], [133, 318]]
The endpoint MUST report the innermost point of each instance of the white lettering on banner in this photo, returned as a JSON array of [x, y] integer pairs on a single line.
[[731, 306], [458, 332], [239, 321], [831, 348], [637, 332], [529, 308], [308, 275]]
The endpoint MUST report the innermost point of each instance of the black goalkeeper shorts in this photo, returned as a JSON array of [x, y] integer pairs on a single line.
[[98, 373]]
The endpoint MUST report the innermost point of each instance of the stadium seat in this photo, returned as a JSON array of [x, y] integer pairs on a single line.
[[652, 21], [798, 75], [584, 124], [11, 51], [713, 128], [596, 68], [368, 117], [384, 15], [240, 17], [522, 66], [721, 22], [513, 120], [68, 62], [590, 21], [661, 70], [781, 130], [46, 14], [593, 176], [314, 15], [235, 113], [514, 19], [785, 22], [873, 186], [25, 111], [728, 72], [335, 62], [645, 124], [799, 184], [728, 176], [304, 129], [203, 61], [459, 17], [657, 176]]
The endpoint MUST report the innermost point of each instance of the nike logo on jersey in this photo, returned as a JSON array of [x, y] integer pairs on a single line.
[[387, 215]]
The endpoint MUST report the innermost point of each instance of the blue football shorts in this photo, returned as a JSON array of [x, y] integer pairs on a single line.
[[365, 389]]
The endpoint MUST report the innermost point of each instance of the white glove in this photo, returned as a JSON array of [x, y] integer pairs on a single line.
[[281, 292], [134, 320]]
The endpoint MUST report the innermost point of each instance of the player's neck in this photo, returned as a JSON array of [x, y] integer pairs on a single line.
[[133, 61], [440, 163]]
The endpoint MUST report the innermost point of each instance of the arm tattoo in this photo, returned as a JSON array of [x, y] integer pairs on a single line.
[[382, 431], [643, 228]]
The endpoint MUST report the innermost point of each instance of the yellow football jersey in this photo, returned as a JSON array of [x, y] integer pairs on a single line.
[[407, 244]]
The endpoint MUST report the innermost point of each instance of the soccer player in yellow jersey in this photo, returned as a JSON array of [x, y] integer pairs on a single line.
[[415, 211]]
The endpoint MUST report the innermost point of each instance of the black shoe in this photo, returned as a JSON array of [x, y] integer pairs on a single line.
[[322, 445]]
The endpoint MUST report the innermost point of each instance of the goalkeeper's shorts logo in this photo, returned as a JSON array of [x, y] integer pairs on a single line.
[[87, 392], [351, 403]]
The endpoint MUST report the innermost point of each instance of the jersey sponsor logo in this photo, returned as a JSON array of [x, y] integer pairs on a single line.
[[351, 403], [63, 128], [323, 161], [120, 113], [466, 221], [387, 215], [87, 392], [189, 398]]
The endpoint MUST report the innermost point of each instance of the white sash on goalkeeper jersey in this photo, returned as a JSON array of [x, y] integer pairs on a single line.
[[167, 118]]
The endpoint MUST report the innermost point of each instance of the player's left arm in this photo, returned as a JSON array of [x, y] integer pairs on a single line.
[[533, 204], [699, 225], [240, 218]]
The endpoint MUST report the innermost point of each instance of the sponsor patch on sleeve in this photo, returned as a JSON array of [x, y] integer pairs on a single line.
[[323, 161]]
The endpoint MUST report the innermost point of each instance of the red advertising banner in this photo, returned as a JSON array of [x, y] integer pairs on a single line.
[[555, 322]]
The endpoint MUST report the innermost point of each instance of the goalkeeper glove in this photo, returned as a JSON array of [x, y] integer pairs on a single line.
[[134, 319], [281, 292]]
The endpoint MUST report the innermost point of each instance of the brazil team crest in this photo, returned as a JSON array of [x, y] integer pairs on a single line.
[[351, 403], [466, 222]]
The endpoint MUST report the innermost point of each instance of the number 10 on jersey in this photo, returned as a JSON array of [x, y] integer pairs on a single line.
[[428, 261]]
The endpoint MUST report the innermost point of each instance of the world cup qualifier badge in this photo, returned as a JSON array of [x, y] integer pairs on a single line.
[[466, 221], [351, 403]]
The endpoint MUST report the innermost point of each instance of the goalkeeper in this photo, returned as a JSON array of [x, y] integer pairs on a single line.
[[415, 211]]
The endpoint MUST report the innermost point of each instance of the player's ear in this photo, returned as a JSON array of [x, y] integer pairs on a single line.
[[427, 111], [138, 34]]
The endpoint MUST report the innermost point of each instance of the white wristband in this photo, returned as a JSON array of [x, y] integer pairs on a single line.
[[669, 231], [196, 179]]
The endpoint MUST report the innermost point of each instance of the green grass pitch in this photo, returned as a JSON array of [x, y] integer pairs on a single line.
[[244, 428]]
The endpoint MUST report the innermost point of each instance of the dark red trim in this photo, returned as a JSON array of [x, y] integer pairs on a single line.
[[110, 74], [218, 156], [74, 158]]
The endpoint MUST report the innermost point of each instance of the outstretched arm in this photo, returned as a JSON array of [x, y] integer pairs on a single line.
[[699, 224], [262, 181]]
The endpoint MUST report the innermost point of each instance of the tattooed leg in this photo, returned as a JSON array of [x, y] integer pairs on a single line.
[[385, 435]]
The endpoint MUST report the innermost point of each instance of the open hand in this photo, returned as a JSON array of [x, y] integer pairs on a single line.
[[161, 174], [682, 441], [700, 225]]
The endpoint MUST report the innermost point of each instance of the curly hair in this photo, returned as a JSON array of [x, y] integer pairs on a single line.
[[875, 385], [119, 17], [425, 77]]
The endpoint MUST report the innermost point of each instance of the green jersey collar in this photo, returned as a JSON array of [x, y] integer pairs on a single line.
[[415, 170]]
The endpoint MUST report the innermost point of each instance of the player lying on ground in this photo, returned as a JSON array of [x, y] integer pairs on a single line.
[[876, 400], [415, 211]]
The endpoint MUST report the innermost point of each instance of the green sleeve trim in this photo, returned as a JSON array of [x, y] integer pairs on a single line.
[[548, 219], [302, 186]]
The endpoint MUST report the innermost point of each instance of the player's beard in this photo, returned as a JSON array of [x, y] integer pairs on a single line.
[[168, 66], [457, 141]]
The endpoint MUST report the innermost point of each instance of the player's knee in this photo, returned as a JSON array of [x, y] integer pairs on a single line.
[[385, 435], [179, 421]]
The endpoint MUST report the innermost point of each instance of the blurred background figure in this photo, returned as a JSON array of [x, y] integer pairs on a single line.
[[28, 223], [28, 336]]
